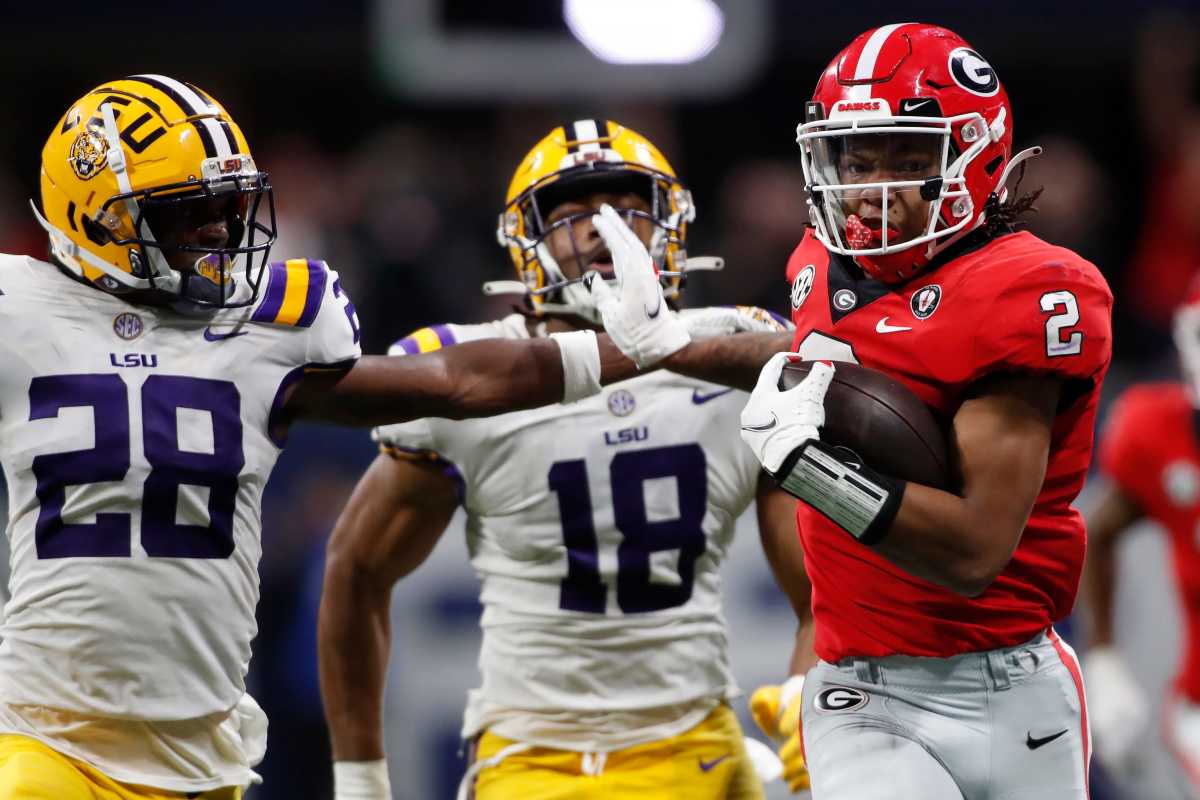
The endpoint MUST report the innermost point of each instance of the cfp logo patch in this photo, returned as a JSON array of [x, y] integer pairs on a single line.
[[127, 325], [972, 73], [802, 286], [841, 698], [89, 154], [621, 403], [925, 301]]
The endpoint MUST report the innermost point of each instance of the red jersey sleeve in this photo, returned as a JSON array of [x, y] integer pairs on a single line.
[[1051, 316], [1124, 455]]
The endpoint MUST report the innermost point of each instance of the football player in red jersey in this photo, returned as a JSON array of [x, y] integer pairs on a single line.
[[937, 672], [1150, 455]]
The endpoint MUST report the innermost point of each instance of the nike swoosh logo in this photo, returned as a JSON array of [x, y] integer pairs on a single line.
[[657, 309], [883, 327], [910, 105], [760, 428], [1034, 744], [705, 766], [209, 336], [700, 399]]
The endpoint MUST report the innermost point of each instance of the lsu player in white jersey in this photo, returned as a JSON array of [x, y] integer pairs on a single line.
[[596, 528], [148, 375]]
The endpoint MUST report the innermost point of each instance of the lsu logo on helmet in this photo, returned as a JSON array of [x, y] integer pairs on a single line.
[[89, 154]]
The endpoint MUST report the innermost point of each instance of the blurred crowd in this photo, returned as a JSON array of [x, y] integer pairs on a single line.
[[407, 214]]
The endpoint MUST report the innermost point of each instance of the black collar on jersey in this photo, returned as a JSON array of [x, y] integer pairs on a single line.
[[843, 273]]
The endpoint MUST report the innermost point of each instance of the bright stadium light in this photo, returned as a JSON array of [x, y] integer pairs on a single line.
[[646, 31]]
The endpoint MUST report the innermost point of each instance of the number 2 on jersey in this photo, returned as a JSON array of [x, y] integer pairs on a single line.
[[1056, 344], [583, 589], [171, 466]]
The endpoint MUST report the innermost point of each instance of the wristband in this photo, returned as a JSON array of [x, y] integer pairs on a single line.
[[855, 497], [580, 364], [361, 780]]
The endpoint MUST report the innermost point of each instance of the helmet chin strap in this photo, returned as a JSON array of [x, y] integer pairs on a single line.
[[936, 246], [1024, 155], [71, 254]]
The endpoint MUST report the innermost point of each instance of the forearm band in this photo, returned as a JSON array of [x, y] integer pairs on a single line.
[[361, 780], [855, 497], [580, 363]]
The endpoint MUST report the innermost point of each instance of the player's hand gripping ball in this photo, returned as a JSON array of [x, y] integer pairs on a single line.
[[776, 421]]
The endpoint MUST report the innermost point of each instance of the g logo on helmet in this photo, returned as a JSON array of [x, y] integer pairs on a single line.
[[89, 154], [972, 73], [841, 698]]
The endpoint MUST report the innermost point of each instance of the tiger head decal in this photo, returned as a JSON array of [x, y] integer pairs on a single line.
[[89, 153]]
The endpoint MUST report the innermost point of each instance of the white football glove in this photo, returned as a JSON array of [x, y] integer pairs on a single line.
[[1118, 708], [704, 323], [361, 780], [636, 314], [774, 422]]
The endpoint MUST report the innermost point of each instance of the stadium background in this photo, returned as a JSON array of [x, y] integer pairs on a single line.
[[391, 129]]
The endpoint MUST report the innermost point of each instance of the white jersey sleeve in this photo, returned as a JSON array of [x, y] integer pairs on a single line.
[[307, 296]]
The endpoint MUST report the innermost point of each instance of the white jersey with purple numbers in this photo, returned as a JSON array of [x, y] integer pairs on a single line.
[[136, 442], [597, 529]]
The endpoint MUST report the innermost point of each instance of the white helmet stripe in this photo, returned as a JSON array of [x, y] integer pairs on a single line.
[[867, 58], [587, 131], [192, 102], [218, 136]]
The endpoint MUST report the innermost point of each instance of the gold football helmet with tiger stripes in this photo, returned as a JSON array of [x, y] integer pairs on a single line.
[[577, 158], [135, 154]]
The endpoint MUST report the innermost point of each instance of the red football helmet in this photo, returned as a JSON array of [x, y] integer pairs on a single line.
[[907, 137]]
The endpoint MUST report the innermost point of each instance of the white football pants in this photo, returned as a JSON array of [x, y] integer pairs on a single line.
[[1008, 724]]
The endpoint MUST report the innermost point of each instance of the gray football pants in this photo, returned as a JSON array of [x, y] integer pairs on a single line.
[[1005, 724]]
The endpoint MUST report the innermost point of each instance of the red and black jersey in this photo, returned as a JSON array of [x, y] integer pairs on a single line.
[[1149, 450], [1012, 304]]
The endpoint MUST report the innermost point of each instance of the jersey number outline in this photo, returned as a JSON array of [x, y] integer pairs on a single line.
[[1056, 346], [583, 589], [109, 461]]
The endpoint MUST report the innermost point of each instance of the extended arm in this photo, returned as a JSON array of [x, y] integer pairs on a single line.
[[734, 360], [475, 379], [393, 520]]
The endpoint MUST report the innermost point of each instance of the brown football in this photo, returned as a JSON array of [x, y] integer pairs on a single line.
[[881, 421]]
